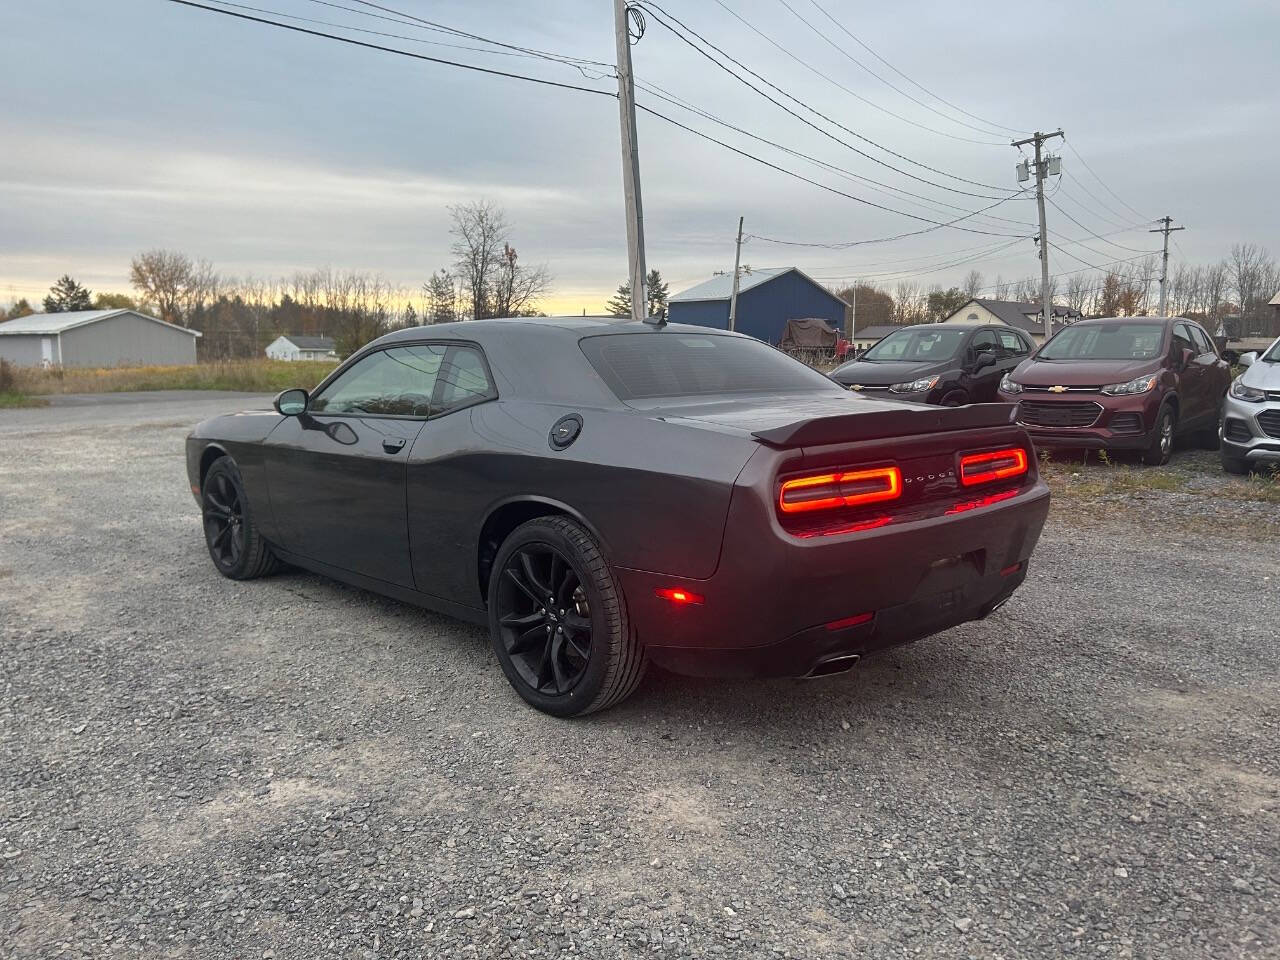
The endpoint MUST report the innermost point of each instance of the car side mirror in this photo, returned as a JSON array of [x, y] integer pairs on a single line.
[[985, 359], [1247, 359], [292, 403], [1187, 356]]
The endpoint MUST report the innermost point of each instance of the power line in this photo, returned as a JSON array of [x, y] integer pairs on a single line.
[[894, 275], [887, 83], [552, 83], [918, 86], [936, 225], [1096, 236], [1071, 147], [404, 53], [681, 29], [665, 95], [857, 96], [1120, 218]]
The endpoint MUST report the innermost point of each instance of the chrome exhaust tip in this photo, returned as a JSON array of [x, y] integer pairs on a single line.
[[833, 665]]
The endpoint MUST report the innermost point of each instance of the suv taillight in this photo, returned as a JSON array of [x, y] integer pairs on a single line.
[[830, 491]]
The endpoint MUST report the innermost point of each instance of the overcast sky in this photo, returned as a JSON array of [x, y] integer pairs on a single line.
[[133, 124]]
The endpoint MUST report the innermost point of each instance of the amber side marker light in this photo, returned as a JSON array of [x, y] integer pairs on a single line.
[[828, 491], [678, 595], [978, 468]]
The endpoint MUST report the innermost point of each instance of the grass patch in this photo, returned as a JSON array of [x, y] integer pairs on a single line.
[[249, 376], [10, 400], [1102, 478]]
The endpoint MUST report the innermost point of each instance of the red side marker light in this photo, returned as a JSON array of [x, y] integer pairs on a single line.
[[1011, 569], [986, 501], [853, 621], [993, 465], [679, 595], [851, 488]]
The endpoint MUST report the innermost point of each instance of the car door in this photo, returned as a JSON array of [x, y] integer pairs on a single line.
[[983, 383], [337, 474], [1217, 373], [1194, 385], [1014, 348]]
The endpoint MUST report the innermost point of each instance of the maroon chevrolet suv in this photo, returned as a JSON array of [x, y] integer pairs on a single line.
[[1121, 383]]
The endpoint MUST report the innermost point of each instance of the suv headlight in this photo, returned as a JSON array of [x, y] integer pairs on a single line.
[[1140, 385], [1249, 394], [1009, 385], [916, 386]]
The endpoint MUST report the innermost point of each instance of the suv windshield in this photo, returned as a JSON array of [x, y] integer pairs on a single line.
[[1105, 341], [641, 366], [917, 344]]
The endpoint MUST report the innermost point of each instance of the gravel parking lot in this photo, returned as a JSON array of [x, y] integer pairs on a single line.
[[293, 768]]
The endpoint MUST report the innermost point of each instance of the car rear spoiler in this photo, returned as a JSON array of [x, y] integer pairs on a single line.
[[879, 424]]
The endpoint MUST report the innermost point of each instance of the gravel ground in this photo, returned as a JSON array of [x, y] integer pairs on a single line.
[[292, 768]]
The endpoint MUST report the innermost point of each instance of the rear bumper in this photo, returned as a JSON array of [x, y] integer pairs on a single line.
[[767, 610]]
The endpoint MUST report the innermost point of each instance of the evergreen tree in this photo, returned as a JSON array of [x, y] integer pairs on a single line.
[[20, 309], [656, 300], [67, 295], [620, 304]]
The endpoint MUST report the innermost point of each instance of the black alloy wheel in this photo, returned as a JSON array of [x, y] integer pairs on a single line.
[[223, 520], [230, 530], [544, 618], [558, 620]]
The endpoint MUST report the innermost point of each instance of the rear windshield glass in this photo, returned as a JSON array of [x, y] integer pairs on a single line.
[[1105, 341], [639, 366], [917, 345]]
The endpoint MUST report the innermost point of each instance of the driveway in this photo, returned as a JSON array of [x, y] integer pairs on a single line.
[[191, 767]]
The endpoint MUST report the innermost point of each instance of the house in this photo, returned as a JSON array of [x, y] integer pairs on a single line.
[[868, 337], [767, 299], [1025, 316], [296, 346], [96, 338]]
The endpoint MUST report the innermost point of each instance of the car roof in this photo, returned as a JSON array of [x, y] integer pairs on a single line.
[[1151, 320], [570, 326]]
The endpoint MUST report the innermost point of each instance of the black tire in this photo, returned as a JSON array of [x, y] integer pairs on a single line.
[[1162, 434], [231, 532], [539, 645], [1231, 464], [956, 398]]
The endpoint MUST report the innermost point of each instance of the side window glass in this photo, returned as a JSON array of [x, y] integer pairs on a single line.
[[1182, 340], [1203, 343], [1012, 345], [985, 342], [465, 379], [397, 382]]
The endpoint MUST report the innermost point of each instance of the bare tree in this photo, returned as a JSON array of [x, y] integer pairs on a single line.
[[442, 298], [479, 234], [1251, 272], [972, 285], [166, 278], [516, 288], [1077, 291]]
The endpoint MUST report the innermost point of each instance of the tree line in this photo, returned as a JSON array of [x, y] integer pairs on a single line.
[[1239, 285], [239, 316]]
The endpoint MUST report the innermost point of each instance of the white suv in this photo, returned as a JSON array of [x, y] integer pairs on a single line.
[[1251, 413]]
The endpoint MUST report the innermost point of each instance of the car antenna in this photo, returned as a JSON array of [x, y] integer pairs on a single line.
[[658, 321]]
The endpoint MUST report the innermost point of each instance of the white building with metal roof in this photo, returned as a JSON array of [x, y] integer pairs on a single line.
[[96, 338]]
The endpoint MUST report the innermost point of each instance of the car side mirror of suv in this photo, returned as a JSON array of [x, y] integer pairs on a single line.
[[985, 359], [292, 402], [1185, 358], [1247, 359]]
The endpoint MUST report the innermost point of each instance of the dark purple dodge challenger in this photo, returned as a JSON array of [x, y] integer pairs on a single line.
[[603, 494]]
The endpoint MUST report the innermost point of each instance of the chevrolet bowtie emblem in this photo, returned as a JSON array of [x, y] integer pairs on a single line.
[[855, 386], [1057, 389]]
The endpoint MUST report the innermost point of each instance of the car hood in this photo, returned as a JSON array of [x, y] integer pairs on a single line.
[[1262, 375], [1081, 373], [883, 373]]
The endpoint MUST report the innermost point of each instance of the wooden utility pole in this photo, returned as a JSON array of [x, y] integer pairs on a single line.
[[1167, 229], [733, 297], [631, 168], [1041, 168]]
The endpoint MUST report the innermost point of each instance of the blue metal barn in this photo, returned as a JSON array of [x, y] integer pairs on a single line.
[[767, 299]]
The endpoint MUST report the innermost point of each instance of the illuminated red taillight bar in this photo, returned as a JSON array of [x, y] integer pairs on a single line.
[[993, 465], [850, 488]]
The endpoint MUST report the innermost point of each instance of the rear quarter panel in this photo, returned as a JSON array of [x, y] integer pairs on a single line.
[[655, 494]]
